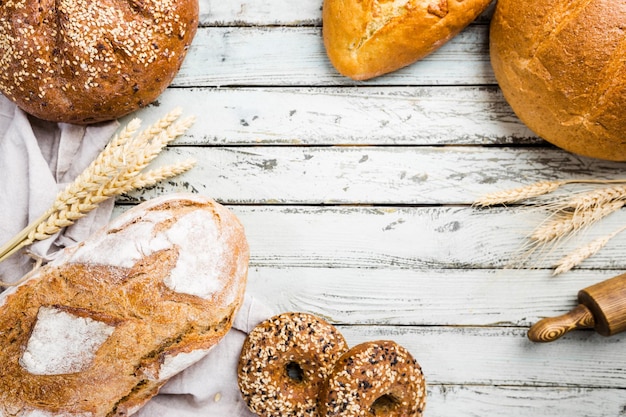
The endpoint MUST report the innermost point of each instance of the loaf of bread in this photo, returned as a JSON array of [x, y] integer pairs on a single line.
[[560, 64], [365, 39], [98, 331], [85, 61]]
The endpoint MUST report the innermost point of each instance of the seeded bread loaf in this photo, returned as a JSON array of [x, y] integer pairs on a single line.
[[85, 61], [560, 65], [100, 330], [365, 39]]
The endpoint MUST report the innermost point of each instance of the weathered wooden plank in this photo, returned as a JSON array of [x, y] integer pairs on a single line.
[[393, 175], [344, 116], [272, 13], [487, 401], [295, 56], [504, 356], [415, 238], [421, 297], [260, 12]]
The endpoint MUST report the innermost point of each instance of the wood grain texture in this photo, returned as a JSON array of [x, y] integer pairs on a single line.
[[380, 175], [295, 56], [273, 13], [505, 356], [412, 297], [356, 200], [511, 401], [408, 238], [368, 115]]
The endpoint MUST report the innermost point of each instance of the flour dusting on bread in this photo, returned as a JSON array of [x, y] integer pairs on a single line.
[[62, 343], [98, 331]]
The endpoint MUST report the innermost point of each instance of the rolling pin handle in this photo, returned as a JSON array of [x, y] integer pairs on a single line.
[[550, 329]]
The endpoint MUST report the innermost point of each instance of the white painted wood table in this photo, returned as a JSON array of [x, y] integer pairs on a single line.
[[357, 202]]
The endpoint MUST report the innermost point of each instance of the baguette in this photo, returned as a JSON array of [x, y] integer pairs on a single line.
[[368, 38], [99, 330]]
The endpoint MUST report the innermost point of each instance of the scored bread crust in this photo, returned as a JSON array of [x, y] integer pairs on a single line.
[[162, 282], [560, 65], [368, 38], [85, 61]]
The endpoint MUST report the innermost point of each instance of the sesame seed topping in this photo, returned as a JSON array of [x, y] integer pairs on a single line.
[[83, 42], [290, 343], [380, 376]]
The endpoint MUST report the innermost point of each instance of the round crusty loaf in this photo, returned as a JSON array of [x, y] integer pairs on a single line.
[[560, 64], [97, 332], [85, 61], [365, 39]]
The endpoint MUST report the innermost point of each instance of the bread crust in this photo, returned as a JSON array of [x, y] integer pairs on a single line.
[[368, 373], [560, 66], [368, 38], [303, 340], [85, 61], [153, 327]]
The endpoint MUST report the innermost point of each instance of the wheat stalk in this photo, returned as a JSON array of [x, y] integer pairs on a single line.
[[518, 194], [150, 178], [116, 170], [576, 257], [531, 191], [568, 215], [570, 222], [594, 198]]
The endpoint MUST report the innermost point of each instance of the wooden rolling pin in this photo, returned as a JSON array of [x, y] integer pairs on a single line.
[[601, 306]]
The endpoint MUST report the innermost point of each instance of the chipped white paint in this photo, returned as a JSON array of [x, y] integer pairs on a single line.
[[347, 115], [371, 175], [62, 343]]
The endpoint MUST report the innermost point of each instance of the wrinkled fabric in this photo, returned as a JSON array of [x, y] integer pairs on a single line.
[[37, 160], [209, 387]]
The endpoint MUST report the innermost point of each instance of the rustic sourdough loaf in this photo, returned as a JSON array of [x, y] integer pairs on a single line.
[[100, 330], [560, 64], [84, 61], [368, 38]]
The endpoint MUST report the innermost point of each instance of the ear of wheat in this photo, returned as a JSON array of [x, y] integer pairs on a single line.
[[568, 214], [118, 169], [581, 253]]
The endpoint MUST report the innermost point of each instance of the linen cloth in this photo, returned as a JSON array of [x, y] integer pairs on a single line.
[[38, 159]]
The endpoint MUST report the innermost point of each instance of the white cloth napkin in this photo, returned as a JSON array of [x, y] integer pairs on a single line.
[[209, 388], [37, 159]]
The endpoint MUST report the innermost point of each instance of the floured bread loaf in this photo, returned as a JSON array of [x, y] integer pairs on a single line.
[[100, 330], [368, 38], [85, 61]]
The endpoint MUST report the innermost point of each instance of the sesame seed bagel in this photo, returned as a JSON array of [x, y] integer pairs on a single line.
[[374, 378], [284, 362], [86, 61]]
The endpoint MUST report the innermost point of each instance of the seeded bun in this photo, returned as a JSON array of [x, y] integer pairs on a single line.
[[560, 65], [78, 61]]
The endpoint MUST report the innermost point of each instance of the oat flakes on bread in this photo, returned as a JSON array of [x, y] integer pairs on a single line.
[[85, 61], [369, 38], [98, 331]]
